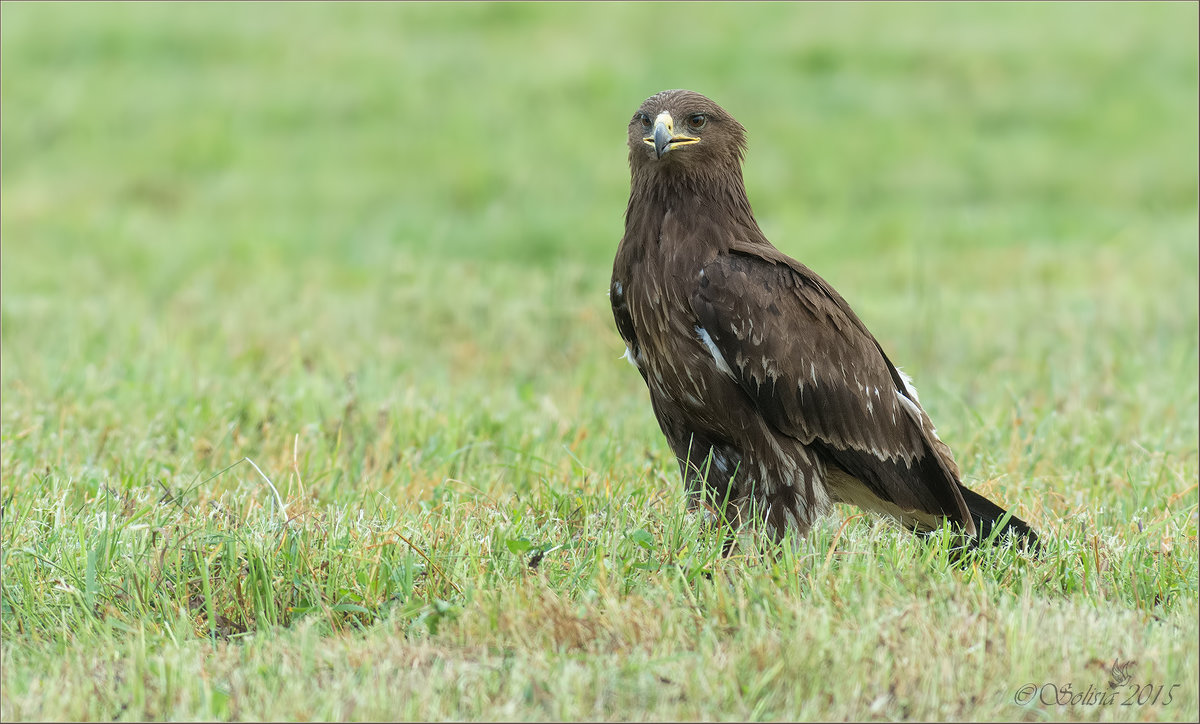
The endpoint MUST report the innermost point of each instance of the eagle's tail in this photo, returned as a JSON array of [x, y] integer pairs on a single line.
[[987, 515]]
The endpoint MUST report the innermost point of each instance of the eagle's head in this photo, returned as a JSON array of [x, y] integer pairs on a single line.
[[680, 131]]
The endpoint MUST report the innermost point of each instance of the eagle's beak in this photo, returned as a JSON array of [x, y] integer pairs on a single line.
[[664, 137]]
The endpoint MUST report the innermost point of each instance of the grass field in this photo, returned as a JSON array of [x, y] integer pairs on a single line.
[[312, 405]]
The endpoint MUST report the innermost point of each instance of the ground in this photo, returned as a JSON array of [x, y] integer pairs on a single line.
[[313, 405]]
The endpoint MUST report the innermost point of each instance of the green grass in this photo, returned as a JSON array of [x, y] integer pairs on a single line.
[[366, 247]]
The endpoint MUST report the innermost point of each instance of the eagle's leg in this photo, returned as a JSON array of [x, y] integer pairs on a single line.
[[709, 473], [781, 487], [786, 488]]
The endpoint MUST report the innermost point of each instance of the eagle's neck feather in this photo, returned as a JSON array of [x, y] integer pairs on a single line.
[[697, 197]]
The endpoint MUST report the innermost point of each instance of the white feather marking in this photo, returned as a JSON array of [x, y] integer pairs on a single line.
[[911, 400], [716, 353], [787, 461], [912, 391], [629, 356], [908, 385], [910, 405]]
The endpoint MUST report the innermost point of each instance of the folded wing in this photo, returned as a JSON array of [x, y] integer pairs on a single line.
[[816, 374]]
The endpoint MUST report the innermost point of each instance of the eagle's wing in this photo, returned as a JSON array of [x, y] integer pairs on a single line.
[[624, 320], [816, 374]]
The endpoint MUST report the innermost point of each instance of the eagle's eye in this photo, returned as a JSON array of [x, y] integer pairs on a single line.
[[696, 121], [645, 119]]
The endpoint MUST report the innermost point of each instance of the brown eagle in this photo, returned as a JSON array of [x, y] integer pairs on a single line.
[[773, 395]]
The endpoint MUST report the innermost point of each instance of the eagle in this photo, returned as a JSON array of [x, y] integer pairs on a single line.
[[773, 395]]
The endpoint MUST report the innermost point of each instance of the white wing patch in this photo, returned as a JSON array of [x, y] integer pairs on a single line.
[[910, 406], [909, 387], [913, 403], [716, 353], [910, 400], [915, 409]]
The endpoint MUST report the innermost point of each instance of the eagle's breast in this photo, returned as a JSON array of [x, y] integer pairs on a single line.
[[675, 353]]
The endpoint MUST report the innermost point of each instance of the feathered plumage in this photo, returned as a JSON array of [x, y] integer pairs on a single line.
[[774, 396]]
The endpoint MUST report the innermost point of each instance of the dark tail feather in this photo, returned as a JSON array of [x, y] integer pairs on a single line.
[[987, 515]]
